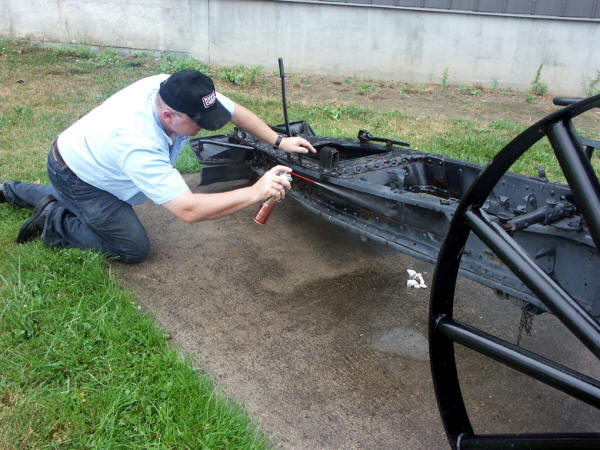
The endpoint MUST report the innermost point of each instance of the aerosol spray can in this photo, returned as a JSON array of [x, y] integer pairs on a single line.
[[265, 210]]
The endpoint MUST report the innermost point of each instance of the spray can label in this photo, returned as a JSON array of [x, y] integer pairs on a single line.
[[263, 213], [265, 210]]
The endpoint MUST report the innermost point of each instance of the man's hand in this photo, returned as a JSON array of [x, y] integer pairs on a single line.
[[251, 123], [272, 184], [296, 144], [192, 207]]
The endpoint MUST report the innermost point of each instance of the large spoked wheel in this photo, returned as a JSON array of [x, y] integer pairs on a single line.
[[444, 330]]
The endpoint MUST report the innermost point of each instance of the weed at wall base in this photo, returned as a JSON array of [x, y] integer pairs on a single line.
[[241, 75], [592, 87], [538, 87], [444, 81]]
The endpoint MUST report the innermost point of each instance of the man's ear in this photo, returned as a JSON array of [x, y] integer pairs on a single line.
[[166, 118], [170, 115], [166, 114]]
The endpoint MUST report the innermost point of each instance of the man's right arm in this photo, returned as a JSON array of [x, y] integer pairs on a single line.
[[193, 207]]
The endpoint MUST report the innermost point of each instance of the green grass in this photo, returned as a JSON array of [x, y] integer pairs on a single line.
[[80, 364], [82, 367]]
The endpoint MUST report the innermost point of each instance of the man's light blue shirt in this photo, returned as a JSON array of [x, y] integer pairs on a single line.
[[121, 146]]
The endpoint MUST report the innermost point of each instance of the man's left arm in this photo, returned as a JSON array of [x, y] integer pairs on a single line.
[[251, 123]]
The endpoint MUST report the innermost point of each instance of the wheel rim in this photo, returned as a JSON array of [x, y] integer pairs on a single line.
[[444, 331]]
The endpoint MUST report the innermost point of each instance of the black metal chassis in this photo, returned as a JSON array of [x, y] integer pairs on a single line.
[[529, 239], [406, 199]]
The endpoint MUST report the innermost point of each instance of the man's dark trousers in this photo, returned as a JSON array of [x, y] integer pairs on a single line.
[[85, 216]]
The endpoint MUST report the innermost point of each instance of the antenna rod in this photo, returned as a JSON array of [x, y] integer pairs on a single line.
[[285, 114]]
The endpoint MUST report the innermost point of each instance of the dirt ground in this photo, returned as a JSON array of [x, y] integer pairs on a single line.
[[472, 102], [314, 331]]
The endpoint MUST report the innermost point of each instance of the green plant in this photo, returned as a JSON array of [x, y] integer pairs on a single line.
[[22, 112], [135, 59], [529, 98], [333, 112], [107, 57], [79, 51], [376, 122], [171, 63], [241, 75], [364, 88], [444, 81], [538, 87], [300, 80], [593, 86], [469, 91]]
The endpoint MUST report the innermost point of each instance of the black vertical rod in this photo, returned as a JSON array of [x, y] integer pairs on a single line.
[[285, 114]]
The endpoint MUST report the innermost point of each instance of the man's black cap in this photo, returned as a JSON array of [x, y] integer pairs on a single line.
[[193, 93]]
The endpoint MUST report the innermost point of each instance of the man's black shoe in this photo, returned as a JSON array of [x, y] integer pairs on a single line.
[[2, 197], [34, 226]]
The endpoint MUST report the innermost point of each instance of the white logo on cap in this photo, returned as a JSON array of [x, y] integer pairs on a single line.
[[209, 100]]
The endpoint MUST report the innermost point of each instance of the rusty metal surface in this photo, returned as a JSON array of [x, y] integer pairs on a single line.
[[406, 198]]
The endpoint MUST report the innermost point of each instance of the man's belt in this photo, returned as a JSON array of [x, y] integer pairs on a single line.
[[57, 155]]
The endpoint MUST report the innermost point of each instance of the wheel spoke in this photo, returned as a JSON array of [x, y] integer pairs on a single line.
[[444, 331], [568, 311], [567, 380], [579, 174]]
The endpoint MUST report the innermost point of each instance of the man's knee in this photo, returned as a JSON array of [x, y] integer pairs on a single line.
[[135, 251]]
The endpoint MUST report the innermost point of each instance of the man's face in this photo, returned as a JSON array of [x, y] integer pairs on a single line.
[[182, 124]]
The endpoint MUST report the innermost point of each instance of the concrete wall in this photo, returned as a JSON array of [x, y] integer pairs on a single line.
[[386, 43]]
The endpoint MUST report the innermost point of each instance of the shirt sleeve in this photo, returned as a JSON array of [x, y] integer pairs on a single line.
[[152, 173]]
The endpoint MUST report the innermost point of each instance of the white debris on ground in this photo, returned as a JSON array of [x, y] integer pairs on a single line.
[[415, 280]]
